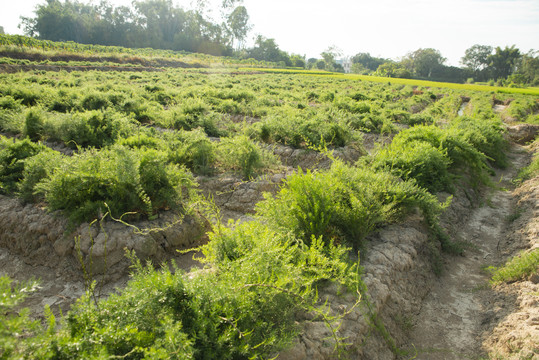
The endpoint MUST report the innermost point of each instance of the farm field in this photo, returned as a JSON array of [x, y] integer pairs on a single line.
[[313, 173]]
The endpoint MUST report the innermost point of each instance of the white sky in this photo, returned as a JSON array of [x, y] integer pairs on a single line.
[[385, 28]]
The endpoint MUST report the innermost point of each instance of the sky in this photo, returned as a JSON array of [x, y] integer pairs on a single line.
[[383, 28]]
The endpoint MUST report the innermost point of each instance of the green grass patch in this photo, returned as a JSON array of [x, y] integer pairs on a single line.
[[518, 268]]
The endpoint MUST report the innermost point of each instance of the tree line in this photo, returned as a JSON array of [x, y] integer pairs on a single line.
[[160, 24], [480, 63], [148, 23]]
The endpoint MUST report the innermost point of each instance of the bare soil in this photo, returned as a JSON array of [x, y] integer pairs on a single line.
[[462, 309], [461, 317]]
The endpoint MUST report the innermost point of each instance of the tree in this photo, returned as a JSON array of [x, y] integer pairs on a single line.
[[367, 61], [59, 21], [320, 64], [476, 57], [528, 69], [150, 23], [329, 56], [297, 60], [423, 62], [393, 69], [503, 62], [238, 23], [1, 30], [267, 50]]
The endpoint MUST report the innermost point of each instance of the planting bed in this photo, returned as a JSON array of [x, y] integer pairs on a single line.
[[312, 170]]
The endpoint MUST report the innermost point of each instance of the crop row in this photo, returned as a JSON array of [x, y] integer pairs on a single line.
[[139, 137]]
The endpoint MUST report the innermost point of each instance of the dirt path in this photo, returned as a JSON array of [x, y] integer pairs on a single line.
[[459, 309]]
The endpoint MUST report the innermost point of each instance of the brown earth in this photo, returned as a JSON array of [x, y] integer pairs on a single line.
[[454, 316]]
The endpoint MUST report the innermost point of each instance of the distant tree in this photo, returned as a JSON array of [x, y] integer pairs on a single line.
[[238, 23], [527, 69], [367, 61], [329, 56], [476, 57], [297, 60], [311, 63], [423, 62], [59, 21], [338, 67], [393, 69], [267, 50], [320, 64], [503, 62], [1, 30], [358, 68], [150, 23]]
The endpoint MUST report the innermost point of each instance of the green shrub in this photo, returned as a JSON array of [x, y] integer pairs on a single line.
[[194, 113], [36, 169], [417, 160], [9, 103], [372, 123], [95, 101], [299, 132], [420, 119], [63, 102], [143, 111], [242, 154], [34, 125], [462, 155], [486, 135], [194, 150], [529, 171], [344, 203], [244, 308], [400, 116], [26, 95], [16, 326], [236, 95], [11, 121], [13, 154], [142, 140], [89, 129], [127, 180]]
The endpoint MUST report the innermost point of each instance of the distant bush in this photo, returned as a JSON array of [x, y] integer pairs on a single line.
[[95, 101], [372, 123], [194, 113], [142, 140], [300, 132], [9, 103], [11, 121]]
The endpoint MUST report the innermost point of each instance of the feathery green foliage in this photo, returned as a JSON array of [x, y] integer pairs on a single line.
[[344, 204], [127, 181], [517, 268]]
